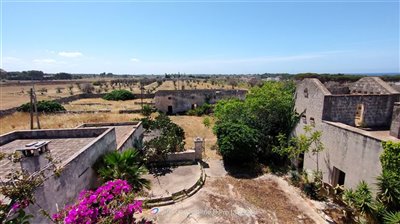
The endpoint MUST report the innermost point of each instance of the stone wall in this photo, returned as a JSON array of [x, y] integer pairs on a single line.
[[395, 125], [76, 175], [68, 99], [310, 94], [351, 151], [377, 109], [135, 137], [184, 100]]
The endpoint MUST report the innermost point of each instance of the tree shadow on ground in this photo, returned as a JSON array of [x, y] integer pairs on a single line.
[[254, 169], [243, 171], [160, 170]]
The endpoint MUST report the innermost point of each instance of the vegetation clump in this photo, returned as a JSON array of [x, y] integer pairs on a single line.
[[170, 138], [47, 106], [112, 202], [119, 95], [126, 165], [204, 109], [248, 130]]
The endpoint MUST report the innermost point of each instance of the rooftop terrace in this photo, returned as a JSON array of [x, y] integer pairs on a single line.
[[64, 144]]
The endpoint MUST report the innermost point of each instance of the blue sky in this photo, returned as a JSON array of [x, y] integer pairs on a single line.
[[200, 37]]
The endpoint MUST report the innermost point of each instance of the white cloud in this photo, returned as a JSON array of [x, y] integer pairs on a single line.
[[134, 60], [70, 54], [45, 61]]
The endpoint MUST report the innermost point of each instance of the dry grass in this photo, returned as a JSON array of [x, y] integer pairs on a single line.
[[265, 195], [169, 85], [21, 121], [194, 127], [101, 104], [14, 94]]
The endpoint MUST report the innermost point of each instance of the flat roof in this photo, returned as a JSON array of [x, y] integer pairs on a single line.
[[380, 135], [123, 130], [60, 148], [64, 145]]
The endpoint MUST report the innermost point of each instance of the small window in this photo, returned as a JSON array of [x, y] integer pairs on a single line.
[[306, 93], [312, 121], [192, 97], [169, 97], [304, 118], [338, 177]]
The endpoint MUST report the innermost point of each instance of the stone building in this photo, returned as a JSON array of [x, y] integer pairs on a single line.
[[354, 119], [76, 150], [180, 101]]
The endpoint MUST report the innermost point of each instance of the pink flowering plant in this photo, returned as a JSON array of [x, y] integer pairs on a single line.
[[113, 202]]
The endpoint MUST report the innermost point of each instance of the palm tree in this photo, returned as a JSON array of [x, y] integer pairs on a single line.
[[126, 166]]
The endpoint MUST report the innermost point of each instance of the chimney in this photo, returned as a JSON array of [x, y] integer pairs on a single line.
[[395, 125], [34, 156]]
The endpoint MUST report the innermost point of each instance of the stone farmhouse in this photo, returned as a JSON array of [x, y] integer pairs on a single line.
[[76, 149], [355, 118], [180, 101]]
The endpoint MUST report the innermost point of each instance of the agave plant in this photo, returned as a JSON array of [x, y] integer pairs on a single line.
[[388, 190], [124, 165], [391, 218]]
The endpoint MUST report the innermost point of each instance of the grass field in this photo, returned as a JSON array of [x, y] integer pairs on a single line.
[[21, 121], [101, 104], [14, 94], [194, 127]]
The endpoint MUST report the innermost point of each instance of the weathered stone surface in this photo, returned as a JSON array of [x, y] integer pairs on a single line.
[[181, 101]]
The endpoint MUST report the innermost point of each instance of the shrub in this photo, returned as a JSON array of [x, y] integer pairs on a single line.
[[113, 202], [147, 110], [236, 142], [204, 109], [119, 95], [43, 106], [86, 88]]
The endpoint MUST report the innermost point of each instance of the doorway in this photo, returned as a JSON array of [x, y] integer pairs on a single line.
[[170, 110]]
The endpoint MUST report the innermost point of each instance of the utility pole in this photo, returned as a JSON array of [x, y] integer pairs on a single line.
[[141, 94], [33, 105]]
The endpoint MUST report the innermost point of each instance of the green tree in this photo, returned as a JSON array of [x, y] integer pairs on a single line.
[[237, 142], [126, 165], [170, 138], [267, 111]]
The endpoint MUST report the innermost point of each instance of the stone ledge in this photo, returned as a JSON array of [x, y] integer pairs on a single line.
[[176, 196]]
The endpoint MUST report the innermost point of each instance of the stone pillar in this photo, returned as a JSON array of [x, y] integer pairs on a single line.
[[198, 148], [395, 125]]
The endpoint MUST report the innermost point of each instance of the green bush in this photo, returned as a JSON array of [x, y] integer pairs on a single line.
[[236, 142], [43, 106], [204, 109], [119, 95]]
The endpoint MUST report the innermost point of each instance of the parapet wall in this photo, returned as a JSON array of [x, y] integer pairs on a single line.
[[51, 133], [377, 109]]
